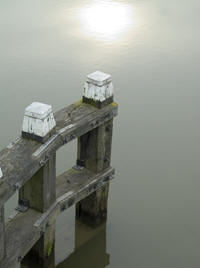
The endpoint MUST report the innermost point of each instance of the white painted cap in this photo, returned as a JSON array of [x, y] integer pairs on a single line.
[[98, 86], [1, 174], [38, 110], [99, 78], [38, 119]]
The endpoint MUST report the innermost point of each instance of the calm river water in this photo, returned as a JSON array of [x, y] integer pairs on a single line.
[[152, 50]]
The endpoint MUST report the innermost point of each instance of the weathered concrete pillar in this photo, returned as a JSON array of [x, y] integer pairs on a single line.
[[2, 233], [39, 192], [94, 148]]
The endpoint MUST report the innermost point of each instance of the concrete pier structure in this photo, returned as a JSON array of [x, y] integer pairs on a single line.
[[28, 164]]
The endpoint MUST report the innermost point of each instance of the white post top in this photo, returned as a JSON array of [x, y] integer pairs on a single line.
[[38, 120], [98, 86], [38, 110], [98, 78], [1, 174]]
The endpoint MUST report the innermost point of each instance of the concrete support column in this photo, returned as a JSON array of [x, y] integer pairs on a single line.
[[43, 251], [2, 234], [39, 192], [94, 149]]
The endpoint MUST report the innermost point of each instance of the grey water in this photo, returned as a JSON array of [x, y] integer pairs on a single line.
[[152, 51]]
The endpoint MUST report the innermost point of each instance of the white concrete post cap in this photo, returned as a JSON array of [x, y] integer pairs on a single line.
[[99, 78], [38, 120], [38, 110], [98, 86]]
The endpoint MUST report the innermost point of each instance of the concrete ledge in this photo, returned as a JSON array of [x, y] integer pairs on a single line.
[[98, 104], [32, 136], [1, 174]]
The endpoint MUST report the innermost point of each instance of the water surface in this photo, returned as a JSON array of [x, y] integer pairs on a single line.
[[152, 50]]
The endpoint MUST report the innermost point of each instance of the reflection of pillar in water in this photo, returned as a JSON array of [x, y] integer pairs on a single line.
[[31, 262], [90, 248]]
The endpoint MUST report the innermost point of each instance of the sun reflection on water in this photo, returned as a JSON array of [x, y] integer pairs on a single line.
[[107, 20]]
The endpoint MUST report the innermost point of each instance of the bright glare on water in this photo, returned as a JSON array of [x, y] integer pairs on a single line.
[[106, 20]]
